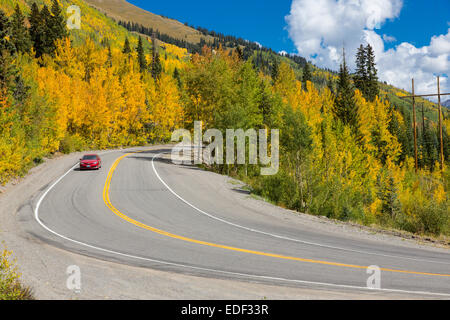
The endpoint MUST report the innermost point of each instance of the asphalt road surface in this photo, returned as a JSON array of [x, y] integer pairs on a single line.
[[141, 209]]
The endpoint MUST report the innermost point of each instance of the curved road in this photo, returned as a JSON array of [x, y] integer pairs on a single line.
[[142, 210]]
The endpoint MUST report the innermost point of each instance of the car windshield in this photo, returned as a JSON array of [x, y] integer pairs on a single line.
[[89, 158]]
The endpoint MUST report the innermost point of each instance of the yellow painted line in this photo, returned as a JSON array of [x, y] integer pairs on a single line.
[[108, 203]]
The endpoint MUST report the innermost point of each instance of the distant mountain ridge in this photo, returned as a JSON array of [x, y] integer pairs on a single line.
[[446, 103]]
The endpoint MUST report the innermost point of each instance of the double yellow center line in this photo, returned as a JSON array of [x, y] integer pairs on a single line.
[[108, 203]]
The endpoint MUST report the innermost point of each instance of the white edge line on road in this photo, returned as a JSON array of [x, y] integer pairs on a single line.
[[276, 235], [36, 216]]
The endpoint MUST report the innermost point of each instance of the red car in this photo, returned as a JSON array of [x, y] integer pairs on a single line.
[[90, 161]]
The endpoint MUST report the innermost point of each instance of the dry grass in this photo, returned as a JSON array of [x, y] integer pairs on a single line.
[[122, 10], [10, 286]]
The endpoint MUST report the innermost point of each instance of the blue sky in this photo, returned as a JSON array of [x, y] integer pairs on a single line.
[[264, 21], [261, 21], [411, 38], [419, 21]]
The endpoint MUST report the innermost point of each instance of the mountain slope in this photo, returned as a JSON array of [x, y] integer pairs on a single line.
[[125, 11]]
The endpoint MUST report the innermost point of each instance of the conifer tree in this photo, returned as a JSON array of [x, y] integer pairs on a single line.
[[19, 32], [360, 77], [37, 28], [372, 78], [275, 68], [156, 67], [57, 23], [345, 107], [7, 69], [390, 203], [177, 77], [5, 33], [240, 53], [48, 37], [126, 47], [307, 76], [141, 55]]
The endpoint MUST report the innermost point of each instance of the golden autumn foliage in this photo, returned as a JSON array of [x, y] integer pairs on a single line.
[[166, 112], [11, 141], [89, 94], [10, 285]]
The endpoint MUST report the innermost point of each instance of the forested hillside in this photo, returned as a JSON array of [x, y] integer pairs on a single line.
[[345, 150]]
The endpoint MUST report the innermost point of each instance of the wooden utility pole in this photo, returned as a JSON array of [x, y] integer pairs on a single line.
[[415, 126], [414, 96], [440, 124]]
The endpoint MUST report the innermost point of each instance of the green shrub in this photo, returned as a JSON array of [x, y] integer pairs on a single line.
[[71, 144], [426, 218], [281, 189]]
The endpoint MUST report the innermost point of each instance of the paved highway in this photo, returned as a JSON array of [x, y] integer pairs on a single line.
[[142, 210]]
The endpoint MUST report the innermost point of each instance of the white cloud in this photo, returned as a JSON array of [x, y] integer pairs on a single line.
[[398, 65], [282, 52], [320, 28], [387, 38]]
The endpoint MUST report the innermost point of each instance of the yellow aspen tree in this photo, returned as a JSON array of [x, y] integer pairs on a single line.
[[166, 112], [12, 144], [286, 85], [133, 110], [66, 59]]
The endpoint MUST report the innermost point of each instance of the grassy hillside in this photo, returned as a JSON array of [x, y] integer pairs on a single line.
[[122, 10]]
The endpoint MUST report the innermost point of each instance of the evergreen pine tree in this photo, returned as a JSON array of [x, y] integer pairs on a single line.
[[240, 53], [7, 68], [307, 76], [345, 107], [275, 68], [177, 77], [390, 202], [141, 55], [5, 33], [57, 22], [37, 30], [156, 67], [19, 33], [372, 78], [126, 47], [360, 77], [48, 37]]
